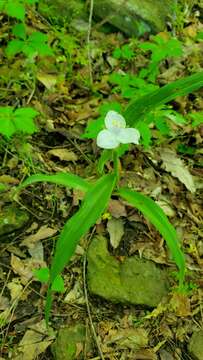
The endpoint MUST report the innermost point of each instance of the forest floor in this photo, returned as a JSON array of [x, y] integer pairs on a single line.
[[68, 92]]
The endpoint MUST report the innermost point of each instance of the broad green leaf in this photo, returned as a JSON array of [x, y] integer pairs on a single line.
[[58, 284], [42, 275], [64, 179], [94, 204], [20, 120], [197, 118], [7, 126], [23, 118], [15, 8], [137, 110], [14, 47], [146, 135], [19, 30], [157, 217]]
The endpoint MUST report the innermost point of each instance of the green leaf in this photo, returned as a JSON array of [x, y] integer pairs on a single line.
[[20, 120], [162, 125], [157, 217], [64, 179], [105, 156], [31, 2], [145, 135], [19, 30], [23, 118], [94, 204], [42, 275], [197, 118], [14, 47], [174, 116], [58, 284], [7, 126], [137, 110], [15, 8]]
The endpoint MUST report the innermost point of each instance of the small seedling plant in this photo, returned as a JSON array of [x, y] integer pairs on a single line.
[[113, 134]]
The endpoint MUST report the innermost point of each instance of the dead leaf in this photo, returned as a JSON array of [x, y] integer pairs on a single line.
[[115, 229], [48, 80], [7, 179], [15, 289], [167, 209], [75, 295], [116, 208], [24, 268], [177, 168], [180, 303], [4, 303], [33, 343], [135, 338], [37, 252], [63, 154], [43, 233]]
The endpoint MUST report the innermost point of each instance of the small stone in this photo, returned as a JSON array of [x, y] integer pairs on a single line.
[[133, 281], [196, 345]]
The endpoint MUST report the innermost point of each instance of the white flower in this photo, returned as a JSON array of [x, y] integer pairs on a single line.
[[116, 132]]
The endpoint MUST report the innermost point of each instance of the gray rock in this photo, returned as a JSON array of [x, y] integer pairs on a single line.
[[132, 17], [11, 219], [196, 345], [68, 341], [133, 281]]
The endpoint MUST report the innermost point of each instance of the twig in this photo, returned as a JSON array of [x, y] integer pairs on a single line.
[[89, 312], [88, 40]]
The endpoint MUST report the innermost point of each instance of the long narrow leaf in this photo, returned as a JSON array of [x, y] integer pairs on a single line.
[[136, 111], [157, 217], [94, 203], [65, 179]]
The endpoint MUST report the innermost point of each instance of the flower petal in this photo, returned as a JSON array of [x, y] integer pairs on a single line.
[[128, 135], [114, 119], [107, 140]]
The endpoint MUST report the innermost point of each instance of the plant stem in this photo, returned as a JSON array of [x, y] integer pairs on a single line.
[[116, 165]]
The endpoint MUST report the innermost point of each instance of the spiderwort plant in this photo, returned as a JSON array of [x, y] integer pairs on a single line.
[[97, 194]]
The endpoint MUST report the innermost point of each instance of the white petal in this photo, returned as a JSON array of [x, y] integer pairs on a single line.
[[128, 135], [114, 119], [107, 140]]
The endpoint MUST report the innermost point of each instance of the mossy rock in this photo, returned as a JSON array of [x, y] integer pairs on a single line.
[[133, 281], [11, 219], [68, 341], [196, 345]]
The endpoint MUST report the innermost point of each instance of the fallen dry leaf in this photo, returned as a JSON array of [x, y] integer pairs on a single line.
[[116, 208], [24, 268], [63, 154], [115, 229], [34, 342], [180, 303], [177, 168], [43, 233], [48, 80], [135, 338], [15, 289], [7, 179]]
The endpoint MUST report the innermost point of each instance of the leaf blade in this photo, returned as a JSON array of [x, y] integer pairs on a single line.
[[92, 208], [157, 217], [64, 179], [135, 112]]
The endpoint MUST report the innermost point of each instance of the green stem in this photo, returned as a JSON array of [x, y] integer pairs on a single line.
[[116, 165]]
